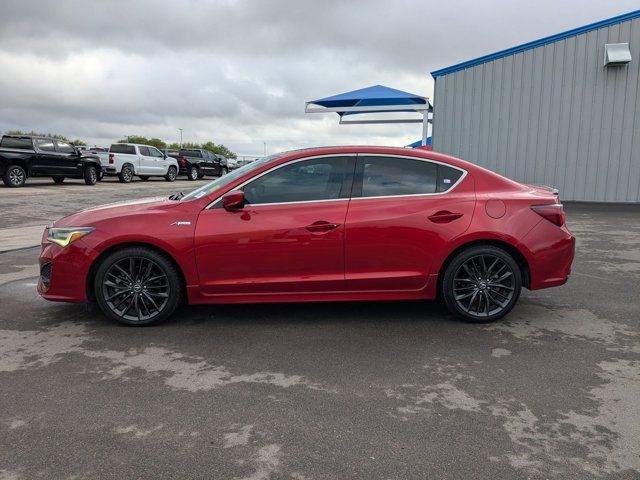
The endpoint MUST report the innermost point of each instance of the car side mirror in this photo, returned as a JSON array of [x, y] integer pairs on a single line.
[[234, 200]]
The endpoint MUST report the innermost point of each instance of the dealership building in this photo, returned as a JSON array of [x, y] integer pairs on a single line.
[[561, 111]]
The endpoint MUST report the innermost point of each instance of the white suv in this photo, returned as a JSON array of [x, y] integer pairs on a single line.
[[128, 159]]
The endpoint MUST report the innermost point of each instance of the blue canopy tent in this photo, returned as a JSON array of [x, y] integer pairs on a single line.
[[377, 99], [418, 143]]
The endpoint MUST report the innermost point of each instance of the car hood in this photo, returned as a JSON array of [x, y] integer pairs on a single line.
[[90, 216]]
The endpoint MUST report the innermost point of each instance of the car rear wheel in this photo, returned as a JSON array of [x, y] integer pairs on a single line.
[[192, 173], [90, 175], [126, 174], [14, 176], [172, 174], [481, 284], [58, 180], [137, 286]]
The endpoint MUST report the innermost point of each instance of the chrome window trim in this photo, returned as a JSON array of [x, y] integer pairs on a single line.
[[360, 154], [276, 167], [462, 177]]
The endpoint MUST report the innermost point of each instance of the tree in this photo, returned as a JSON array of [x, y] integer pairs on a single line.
[[156, 142], [57, 136]]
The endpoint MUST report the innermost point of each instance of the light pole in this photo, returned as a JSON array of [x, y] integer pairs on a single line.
[[265, 148], [180, 137]]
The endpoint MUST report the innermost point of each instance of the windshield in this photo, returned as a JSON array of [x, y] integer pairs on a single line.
[[228, 178]]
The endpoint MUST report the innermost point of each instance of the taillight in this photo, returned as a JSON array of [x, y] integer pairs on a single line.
[[111, 158], [552, 212], [183, 160]]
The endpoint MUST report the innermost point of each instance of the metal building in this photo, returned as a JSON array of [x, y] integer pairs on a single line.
[[561, 111]]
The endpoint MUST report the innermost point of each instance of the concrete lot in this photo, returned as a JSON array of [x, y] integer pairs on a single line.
[[325, 391], [41, 201]]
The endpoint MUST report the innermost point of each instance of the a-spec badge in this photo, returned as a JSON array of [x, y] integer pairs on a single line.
[[181, 223]]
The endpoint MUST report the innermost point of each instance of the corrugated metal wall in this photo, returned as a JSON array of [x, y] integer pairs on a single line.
[[552, 115]]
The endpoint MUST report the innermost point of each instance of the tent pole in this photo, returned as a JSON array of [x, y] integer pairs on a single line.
[[425, 123]]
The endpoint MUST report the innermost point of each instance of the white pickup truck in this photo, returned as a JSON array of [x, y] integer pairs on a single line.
[[128, 159]]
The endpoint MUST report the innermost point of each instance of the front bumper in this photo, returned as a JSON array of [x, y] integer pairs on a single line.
[[64, 271]]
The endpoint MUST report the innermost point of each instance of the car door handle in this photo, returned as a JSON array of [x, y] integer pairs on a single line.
[[444, 216], [321, 226]]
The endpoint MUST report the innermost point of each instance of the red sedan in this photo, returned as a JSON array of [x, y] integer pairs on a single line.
[[325, 224]]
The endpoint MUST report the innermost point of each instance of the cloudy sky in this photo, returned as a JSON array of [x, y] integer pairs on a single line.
[[238, 72]]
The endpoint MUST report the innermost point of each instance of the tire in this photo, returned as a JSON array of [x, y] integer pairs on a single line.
[[14, 176], [192, 173], [137, 286], [144, 178], [224, 171], [481, 284], [90, 175], [126, 174], [172, 174], [58, 180]]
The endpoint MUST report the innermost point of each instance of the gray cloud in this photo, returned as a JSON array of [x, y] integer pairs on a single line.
[[240, 71]]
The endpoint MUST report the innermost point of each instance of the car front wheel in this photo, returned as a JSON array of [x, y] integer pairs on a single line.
[[481, 284], [14, 176], [171, 175], [137, 286]]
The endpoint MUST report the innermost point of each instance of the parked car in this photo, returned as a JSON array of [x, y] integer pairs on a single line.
[[27, 156], [197, 162], [170, 153], [326, 224], [128, 159], [232, 163]]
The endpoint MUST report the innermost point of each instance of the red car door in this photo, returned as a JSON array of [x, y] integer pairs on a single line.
[[288, 238], [403, 212]]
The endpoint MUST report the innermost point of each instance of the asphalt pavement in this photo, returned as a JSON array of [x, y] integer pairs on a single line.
[[383, 390]]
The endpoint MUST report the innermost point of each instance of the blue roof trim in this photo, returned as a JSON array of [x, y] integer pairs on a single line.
[[535, 43]]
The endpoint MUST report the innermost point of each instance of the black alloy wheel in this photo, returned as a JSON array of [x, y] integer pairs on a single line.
[[482, 284], [14, 176], [137, 286]]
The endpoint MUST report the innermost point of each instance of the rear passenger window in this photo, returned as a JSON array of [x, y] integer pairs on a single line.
[[122, 148], [144, 151], [390, 176], [394, 176], [45, 145]]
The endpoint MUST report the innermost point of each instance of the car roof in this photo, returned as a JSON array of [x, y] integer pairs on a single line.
[[469, 167]]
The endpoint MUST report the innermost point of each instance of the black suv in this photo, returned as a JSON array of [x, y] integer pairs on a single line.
[[27, 156], [197, 162]]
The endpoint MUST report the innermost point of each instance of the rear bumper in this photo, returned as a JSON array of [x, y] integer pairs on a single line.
[[63, 271], [552, 252]]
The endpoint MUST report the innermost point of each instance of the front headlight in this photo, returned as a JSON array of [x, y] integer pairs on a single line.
[[66, 236]]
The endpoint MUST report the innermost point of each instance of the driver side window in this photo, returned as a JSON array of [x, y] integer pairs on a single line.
[[325, 178]]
